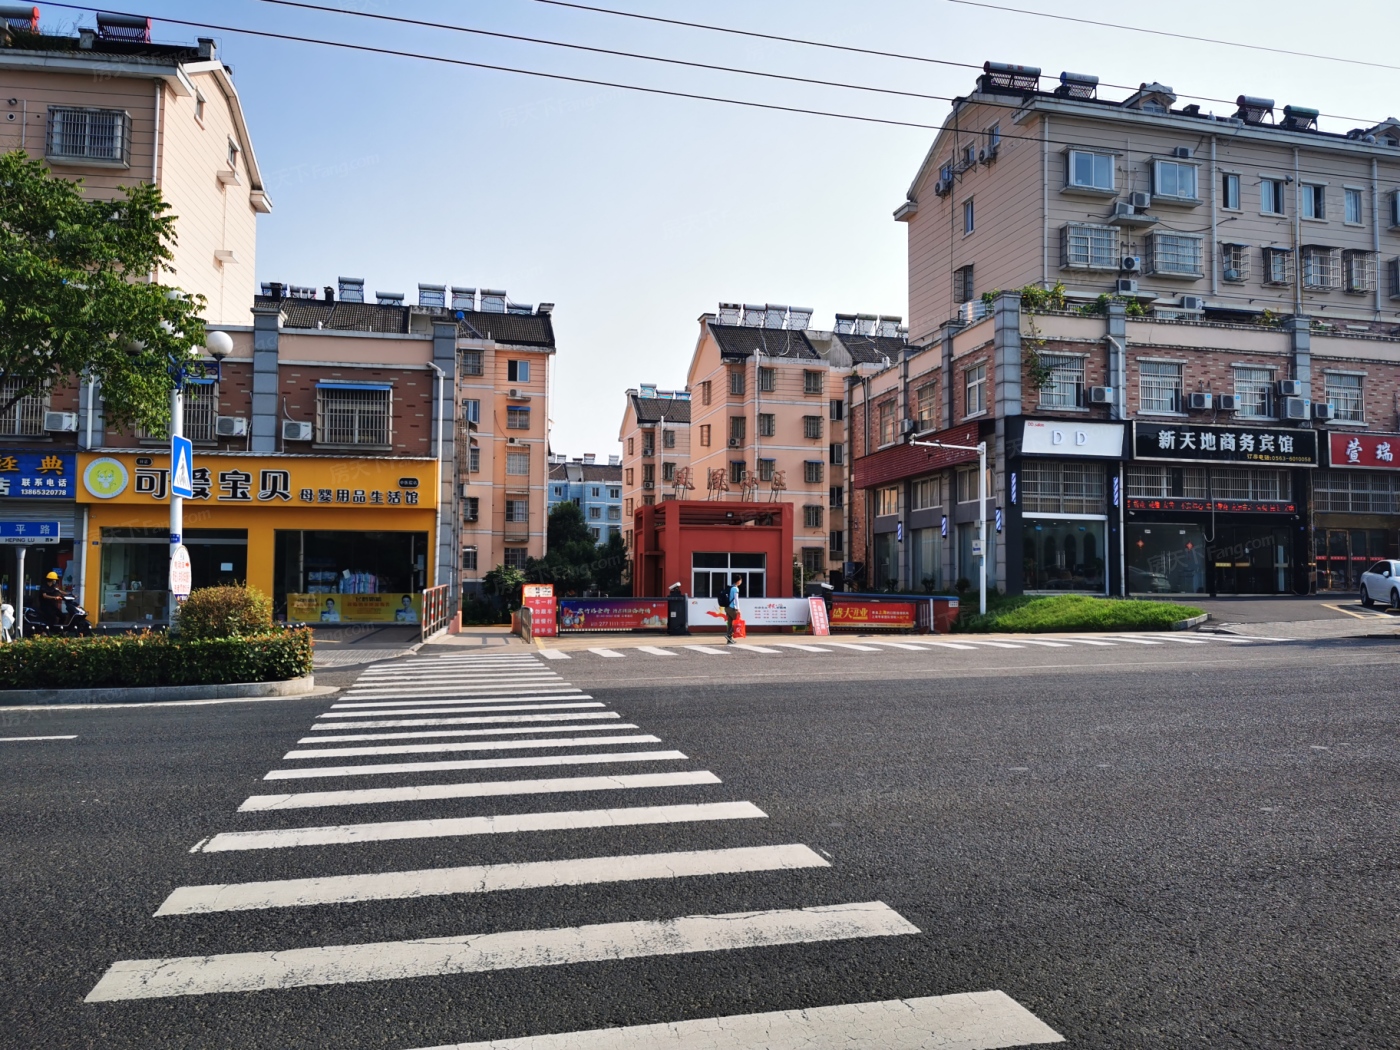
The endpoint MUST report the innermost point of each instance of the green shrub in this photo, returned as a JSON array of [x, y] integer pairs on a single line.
[[1072, 612], [146, 659], [224, 612]]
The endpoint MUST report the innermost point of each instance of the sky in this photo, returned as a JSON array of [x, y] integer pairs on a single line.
[[635, 213]]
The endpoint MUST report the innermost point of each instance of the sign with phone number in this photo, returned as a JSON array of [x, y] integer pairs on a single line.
[[872, 614]]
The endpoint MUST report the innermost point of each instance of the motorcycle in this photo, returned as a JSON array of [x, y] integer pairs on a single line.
[[72, 620]]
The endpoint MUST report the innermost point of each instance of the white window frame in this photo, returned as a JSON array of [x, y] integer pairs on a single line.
[[1276, 192], [1173, 252], [1282, 276], [1320, 267], [1254, 391], [1065, 387], [1356, 194], [1230, 186], [969, 217], [1089, 246], [1098, 160], [975, 382], [1160, 391], [1234, 257], [1348, 402], [1358, 271], [1312, 205], [514, 460], [1160, 168]]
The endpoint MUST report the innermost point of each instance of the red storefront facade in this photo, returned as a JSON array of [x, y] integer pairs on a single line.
[[700, 544]]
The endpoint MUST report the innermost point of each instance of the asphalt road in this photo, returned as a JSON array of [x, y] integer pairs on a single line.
[[1144, 846]]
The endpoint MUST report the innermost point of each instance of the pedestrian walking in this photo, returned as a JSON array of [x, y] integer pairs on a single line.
[[731, 609]]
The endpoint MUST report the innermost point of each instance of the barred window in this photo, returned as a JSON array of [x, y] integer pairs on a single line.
[[704, 435], [1051, 487], [518, 463], [765, 469], [1278, 266], [1344, 395], [1165, 482], [668, 472], [88, 134], [1255, 389], [1064, 388], [812, 516], [668, 439], [516, 557], [1086, 246], [1159, 386], [767, 380], [812, 471], [1176, 253], [471, 363], [811, 426], [25, 418], [767, 424], [1227, 483], [1234, 262], [813, 558], [1319, 267], [517, 418], [1359, 271], [1357, 492], [736, 472], [811, 382], [736, 381], [738, 428], [353, 415], [201, 401], [517, 510]]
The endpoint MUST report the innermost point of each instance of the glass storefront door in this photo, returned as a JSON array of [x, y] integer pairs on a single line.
[[886, 574], [1166, 558], [1064, 554], [1344, 554], [967, 563], [926, 550]]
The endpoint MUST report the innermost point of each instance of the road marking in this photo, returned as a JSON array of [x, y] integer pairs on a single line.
[[484, 878], [553, 654], [477, 763], [995, 645], [1090, 641], [802, 648], [470, 745], [708, 650], [494, 731], [612, 654], [455, 685], [400, 723], [506, 823], [963, 1021], [16, 739], [903, 645], [511, 706], [550, 693], [464, 660], [754, 648], [476, 953], [949, 645], [853, 645], [1187, 641], [1053, 645], [1134, 641], [475, 789], [531, 668], [654, 650]]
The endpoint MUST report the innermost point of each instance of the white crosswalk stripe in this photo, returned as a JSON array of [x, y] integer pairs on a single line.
[[494, 730], [517, 705], [553, 654], [469, 745], [654, 650], [753, 648], [399, 723], [445, 766], [611, 653]]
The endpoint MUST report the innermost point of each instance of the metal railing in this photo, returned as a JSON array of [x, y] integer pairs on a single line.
[[437, 610]]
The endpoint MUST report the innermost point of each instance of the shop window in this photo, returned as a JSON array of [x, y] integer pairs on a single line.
[[1159, 386], [518, 371], [1064, 383], [1049, 486], [516, 557], [813, 559], [887, 501], [926, 559], [886, 571], [25, 418], [1356, 491], [812, 516], [353, 415], [1255, 389], [926, 493], [1344, 395], [812, 427], [517, 418], [518, 463], [349, 576], [812, 471], [812, 382], [1063, 555], [472, 363]]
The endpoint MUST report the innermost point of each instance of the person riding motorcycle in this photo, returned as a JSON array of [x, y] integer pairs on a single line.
[[51, 599]]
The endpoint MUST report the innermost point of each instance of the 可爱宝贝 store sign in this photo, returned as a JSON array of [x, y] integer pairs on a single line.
[[252, 480]]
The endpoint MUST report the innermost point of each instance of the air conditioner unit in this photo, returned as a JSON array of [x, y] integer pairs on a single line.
[[1323, 410], [1131, 264], [1123, 210], [1199, 402], [514, 392], [1181, 152], [514, 441], [941, 189], [1100, 395], [1227, 402], [60, 422], [1290, 388], [292, 430], [648, 485], [1125, 286], [1297, 408], [733, 442], [1141, 201], [1193, 302], [231, 426]]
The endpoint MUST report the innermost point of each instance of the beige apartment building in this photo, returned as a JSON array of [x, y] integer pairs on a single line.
[[768, 415], [1210, 407], [112, 108], [656, 461]]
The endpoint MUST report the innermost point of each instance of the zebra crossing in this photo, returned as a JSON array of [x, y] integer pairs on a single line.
[[964, 643], [424, 706]]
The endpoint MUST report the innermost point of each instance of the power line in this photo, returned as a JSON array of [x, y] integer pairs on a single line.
[[926, 58], [1167, 33], [600, 50]]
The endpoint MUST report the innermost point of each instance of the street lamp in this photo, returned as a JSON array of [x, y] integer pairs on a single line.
[[981, 449]]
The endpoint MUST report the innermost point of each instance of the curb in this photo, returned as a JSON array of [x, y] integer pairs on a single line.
[[1195, 621], [158, 693]]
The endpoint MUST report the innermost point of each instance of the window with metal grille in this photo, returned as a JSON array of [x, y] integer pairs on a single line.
[[767, 380], [353, 415], [518, 463], [1356, 491], [975, 390], [963, 285], [1278, 266], [1173, 180], [648, 443], [765, 469], [704, 435], [469, 558], [736, 381], [838, 409], [517, 418], [25, 418], [1176, 253], [1054, 487], [1254, 387], [668, 472], [76, 133], [1085, 246], [1159, 386], [1344, 395], [812, 516], [1358, 271], [516, 557], [813, 558], [668, 439], [1234, 262], [627, 506], [1064, 384], [472, 363], [631, 446], [812, 382], [648, 473], [926, 493], [926, 406], [767, 424], [738, 428], [201, 401], [474, 460], [1319, 267], [887, 500], [812, 471], [517, 510], [811, 426], [736, 472]]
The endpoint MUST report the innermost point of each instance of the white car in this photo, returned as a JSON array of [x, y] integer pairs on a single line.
[[1381, 583]]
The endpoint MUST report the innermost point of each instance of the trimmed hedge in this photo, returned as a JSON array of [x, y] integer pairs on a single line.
[[224, 612], [1072, 612], [153, 659]]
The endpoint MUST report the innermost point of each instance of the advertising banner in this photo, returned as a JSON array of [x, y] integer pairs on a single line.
[[1102, 440], [389, 607], [1195, 443], [818, 616], [38, 475], [1363, 451], [872, 614], [612, 614], [539, 599], [756, 612]]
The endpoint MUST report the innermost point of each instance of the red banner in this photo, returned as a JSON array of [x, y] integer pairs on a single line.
[[612, 614], [872, 614], [818, 616], [1372, 451]]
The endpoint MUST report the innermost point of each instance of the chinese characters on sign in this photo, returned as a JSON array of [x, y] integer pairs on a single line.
[[872, 614], [1193, 443], [1374, 451], [273, 486], [1203, 505], [38, 475], [26, 532]]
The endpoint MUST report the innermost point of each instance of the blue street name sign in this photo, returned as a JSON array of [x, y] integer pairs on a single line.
[[182, 467], [13, 533]]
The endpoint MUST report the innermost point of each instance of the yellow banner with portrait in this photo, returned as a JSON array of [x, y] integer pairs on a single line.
[[389, 607]]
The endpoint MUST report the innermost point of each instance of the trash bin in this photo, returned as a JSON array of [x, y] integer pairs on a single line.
[[676, 614]]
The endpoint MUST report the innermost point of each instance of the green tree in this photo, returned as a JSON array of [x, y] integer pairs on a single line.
[[572, 554], [611, 567], [76, 298], [504, 583]]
